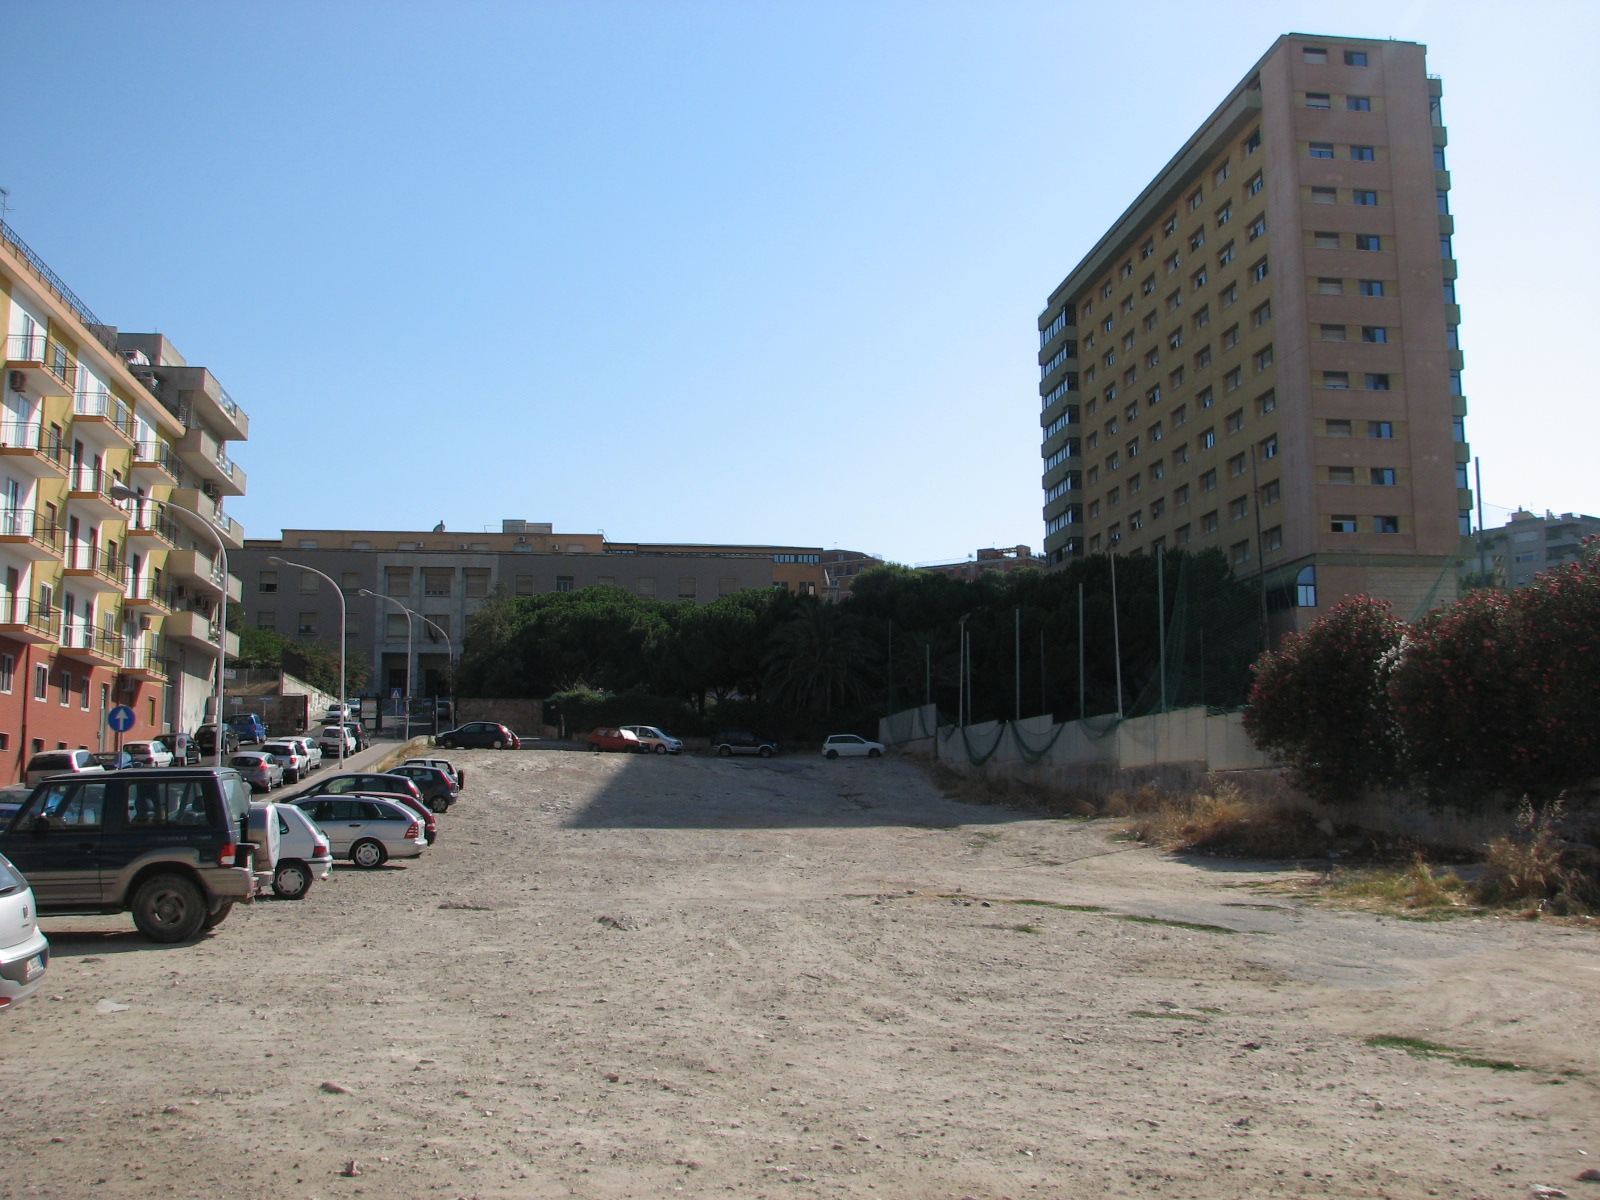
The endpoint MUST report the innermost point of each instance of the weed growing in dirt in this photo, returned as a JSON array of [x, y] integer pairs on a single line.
[[1418, 886], [1419, 1048], [1533, 866], [1028, 928], [1062, 907], [1165, 1016]]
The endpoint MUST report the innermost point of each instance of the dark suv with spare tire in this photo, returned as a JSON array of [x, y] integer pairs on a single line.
[[174, 847]]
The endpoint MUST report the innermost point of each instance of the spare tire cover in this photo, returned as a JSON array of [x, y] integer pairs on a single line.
[[262, 832]]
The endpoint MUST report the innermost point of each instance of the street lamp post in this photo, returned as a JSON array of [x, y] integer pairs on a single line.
[[339, 592], [406, 731], [121, 491]]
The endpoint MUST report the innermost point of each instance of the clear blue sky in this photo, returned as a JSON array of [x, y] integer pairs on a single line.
[[719, 271]]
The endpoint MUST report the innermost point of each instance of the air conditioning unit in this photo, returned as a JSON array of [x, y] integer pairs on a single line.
[[522, 537], [209, 487], [179, 592], [127, 685], [18, 381], [144, 624]]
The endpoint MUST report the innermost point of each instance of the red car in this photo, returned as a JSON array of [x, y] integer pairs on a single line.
[[612, 738]]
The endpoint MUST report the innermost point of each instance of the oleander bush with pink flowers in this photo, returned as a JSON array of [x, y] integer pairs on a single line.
[[1496, 695]]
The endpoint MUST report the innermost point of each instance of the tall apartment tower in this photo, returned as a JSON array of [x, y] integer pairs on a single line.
[[1261, 353]]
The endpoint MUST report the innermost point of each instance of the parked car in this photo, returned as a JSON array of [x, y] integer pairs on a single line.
[[258, 769], [339, 713], [113, 760], [373, 783], [185, 752], [359, 733], [741, 741], [176, 847], [305, 854], [367, 830], [252, 730], [24, 951], [309, 749], [439, 790], [336, 738], [841, 745], [289, 758], [59, 762], [206, 739], [653, 740], [148, 754], [459, 774], [612, 738], [11, 799], [481, 734]]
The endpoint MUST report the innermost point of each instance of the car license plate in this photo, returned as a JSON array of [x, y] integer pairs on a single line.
[[33, 969]]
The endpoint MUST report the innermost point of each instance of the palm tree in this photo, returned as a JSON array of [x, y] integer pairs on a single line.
[[821, 659]]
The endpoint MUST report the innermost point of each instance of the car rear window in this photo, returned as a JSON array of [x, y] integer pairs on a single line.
[[51, 762], [10, 881]]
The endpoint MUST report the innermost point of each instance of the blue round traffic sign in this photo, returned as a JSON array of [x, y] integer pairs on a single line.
[[121, 718]]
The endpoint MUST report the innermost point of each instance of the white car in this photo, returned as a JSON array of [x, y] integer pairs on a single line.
[[148, 754], [653, 740], [289, 757], [309, 748], [305, 853], [24, 952], [842, 745], [333, 737], [368, 830]]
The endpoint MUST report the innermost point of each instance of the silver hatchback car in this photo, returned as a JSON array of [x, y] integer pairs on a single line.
[[368, 830], [24, 952]]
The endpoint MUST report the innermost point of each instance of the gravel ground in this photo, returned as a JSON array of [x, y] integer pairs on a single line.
[[646, 977]]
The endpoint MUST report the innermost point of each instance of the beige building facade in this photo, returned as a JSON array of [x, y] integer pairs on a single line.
[[446, 577], [1261, 354]]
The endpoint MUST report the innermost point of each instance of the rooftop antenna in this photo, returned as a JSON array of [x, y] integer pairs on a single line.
[[5, 203]]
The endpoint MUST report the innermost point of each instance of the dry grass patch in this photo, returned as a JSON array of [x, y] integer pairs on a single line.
[[1221, 820]]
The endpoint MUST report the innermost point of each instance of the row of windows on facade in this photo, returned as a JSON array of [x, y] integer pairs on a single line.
[[1318, 55], [1196, 198], [1240, 552], [67, 687]]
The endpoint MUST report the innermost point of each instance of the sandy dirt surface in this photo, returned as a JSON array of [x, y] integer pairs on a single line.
[[656, 977]]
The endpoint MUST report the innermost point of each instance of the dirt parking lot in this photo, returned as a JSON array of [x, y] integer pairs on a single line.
[[645, 977]]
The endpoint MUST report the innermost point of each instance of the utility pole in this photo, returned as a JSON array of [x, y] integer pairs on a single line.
[[1017, 656], [1081, 713], [1116, 630], [1161, 620]]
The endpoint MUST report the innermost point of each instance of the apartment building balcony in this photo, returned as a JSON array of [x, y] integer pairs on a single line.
[[193, 395], [197, 630], [83, 641], [29, 535], [144, 663], [206, 456], [155, 464], [160, 530], [89, 489], [201, 510], [143, 596], [26, 449], [200, 568], [23, 621], [103, 418], [95, 569], [44, 365]]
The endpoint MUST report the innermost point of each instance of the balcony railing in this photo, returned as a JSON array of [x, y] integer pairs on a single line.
[[31, 435], [91, 479], [80, 635], [106, 407], [19, 611], [146, 591], [148, 522], [161, 454], [38, 347], [225, 464], [24, 523], [102, 562], [144, 660]]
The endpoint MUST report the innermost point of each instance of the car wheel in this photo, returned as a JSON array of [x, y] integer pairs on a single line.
[[660, 749], [874, 753], [448, 743], [217, 918], [765, 752], [292, 880], [725, 751], [168, 908], [833, 754], [497, 744], [594, 746], [368, 854]]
